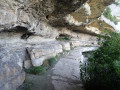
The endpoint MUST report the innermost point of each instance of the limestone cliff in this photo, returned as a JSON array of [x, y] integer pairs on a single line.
[[29, 28], [33, 14]]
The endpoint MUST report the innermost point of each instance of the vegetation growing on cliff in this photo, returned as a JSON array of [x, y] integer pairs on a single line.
[[117, 2], [42, 69], [63, 37], [108, 15], [36, 70], [103, 69]]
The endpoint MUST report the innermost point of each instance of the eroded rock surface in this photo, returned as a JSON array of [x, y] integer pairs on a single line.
[[25, 24], [34, 14], [65, 75]]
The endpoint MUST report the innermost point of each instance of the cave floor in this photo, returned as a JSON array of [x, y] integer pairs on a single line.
[[65, 75]]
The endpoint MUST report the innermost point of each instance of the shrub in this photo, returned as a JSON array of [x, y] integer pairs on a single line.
[[36, 70], [107, 14], [103, 69], [52, 61], [115, 20], [71, 47]]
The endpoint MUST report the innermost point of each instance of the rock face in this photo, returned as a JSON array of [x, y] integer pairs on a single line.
[[29, 28], [34, 14], [11, 75], [30, 13], [42, 52]]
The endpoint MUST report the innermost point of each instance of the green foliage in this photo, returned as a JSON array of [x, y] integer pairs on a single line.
[[52, 61], [107, 14], [64, 38], [117, 2], [72, 48], [114, 19], [103, 69], [46, 65], [66, 51], [36, 70], [102, 38]]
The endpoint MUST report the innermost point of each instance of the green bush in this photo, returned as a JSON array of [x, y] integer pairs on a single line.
[[52, 61], [107, 14], [41, 69], [103, 69], [36, 70], [115, 20]]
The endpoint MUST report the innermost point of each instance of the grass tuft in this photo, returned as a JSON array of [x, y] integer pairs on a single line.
[[36, 70]]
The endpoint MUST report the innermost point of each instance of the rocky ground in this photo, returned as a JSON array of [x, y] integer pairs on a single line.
[[29, 30], [16, 57], [65, 75]]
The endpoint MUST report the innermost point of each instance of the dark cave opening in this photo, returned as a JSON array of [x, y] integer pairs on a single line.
[[20, 29], [25, 33]]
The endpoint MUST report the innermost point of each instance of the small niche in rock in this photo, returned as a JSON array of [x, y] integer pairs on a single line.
[[18, 32], [47, 17], [20, 29], [63, 37], [17, 29], [23, 30], [26, 34]]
